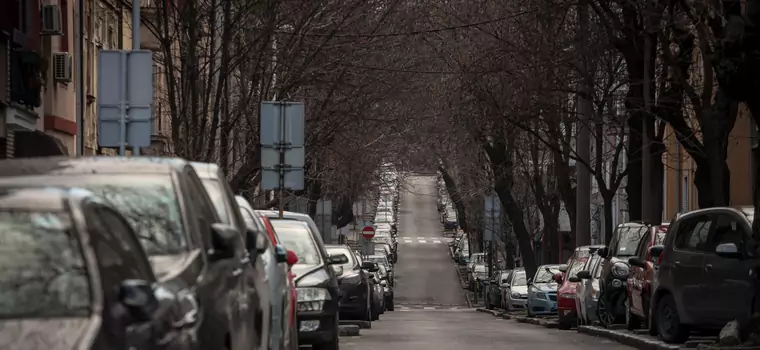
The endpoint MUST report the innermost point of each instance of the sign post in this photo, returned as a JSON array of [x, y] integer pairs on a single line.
[[282, 148], [492, 228], [368, 247]]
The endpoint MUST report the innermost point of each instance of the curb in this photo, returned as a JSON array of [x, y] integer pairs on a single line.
[[348, 331], [627, 339]]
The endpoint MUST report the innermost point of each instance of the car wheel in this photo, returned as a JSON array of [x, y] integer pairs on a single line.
[[669, 325], [604, 313], [334, 343], [389, 305], [565, 323]]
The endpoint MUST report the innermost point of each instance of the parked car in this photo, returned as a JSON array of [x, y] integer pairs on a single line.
[[542, 291], [388, 294], [316, 282], [164, 201], [450, 222], [381, 259], [276, 267], [616, 270], [587, 289], [494, 293], [76, 276], [515, 290], [254, 265], [477, 277], [378, 295], [706, 272], [639, 283], [566, 298], [356, 292], [462, 252]]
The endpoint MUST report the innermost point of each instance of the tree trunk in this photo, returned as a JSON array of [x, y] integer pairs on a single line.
[[451, 188]]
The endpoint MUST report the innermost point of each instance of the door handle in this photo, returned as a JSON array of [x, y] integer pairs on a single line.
[[708, 267], [245, 260], [677, 264]]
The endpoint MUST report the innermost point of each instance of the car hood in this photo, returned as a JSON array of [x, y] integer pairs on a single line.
[[43, 334], [519, 289], [546, 287], [164, 266], [301, 270]]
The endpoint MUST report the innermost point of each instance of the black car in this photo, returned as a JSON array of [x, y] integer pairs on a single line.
[[356, 291], [164, 201], [316, 284], [388, 296], [75, 277]]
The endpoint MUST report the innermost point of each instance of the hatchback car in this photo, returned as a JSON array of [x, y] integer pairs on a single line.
[[515, 290], [316, 283], [75, 276], [356, 291], [568, 314], [164, 201]]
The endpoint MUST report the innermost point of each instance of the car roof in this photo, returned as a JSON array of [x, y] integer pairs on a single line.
[[589, 247], [206, 170], [89, 165], [292, 214], [294, 223], [42, 199]]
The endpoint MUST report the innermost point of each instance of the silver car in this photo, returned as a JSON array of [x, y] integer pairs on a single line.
[[516, 290], [587, 290], [542, 291]]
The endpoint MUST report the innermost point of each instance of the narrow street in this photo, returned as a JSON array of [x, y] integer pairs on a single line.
[[431, 310]]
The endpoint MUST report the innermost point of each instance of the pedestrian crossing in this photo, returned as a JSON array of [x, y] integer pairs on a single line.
[[424, 240]]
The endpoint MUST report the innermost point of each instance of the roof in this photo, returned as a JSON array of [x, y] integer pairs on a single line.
[[206, 170], [83, 165], [42, 199]]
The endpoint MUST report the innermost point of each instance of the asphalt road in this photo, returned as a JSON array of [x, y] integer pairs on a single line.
[[431, 311]]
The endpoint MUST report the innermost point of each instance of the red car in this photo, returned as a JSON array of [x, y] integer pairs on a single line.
[[638, 285], [568, 315], [292, 260]]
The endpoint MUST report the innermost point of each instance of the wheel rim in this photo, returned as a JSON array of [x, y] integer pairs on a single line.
[[667, 319], [605, 316]]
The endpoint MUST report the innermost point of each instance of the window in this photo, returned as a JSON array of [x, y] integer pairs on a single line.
[[120, 230], [627, 239], [544, 276], [575, 267], [692, 235], [42, 269], [727, 230], [299, 240], [351, 261]]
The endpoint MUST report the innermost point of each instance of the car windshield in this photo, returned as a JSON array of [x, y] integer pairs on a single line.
[[575, 267], [662, 231], [544, 276], [351, 261], [214, 190], [42, 269], [479, 269], [519, 279], [148, 202], [628, 240], [298, 239]]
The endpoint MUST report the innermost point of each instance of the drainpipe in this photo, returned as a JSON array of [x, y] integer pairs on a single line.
[[81, 93]]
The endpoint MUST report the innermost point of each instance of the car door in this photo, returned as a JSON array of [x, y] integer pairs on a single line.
[[120, 258], [728, 279], [219, 286], [684, 266], [638, 274]]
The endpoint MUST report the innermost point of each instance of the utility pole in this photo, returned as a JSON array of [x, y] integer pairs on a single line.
[[585, 110], [135, 44], [80, 90], [647, 203]]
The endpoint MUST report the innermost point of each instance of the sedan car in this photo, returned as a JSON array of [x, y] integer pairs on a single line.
[[515, 290], [542, 291], [164, 201], [316, 283], [356, 292], [75, 277]]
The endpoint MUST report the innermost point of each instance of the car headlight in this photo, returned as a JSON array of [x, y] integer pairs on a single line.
[[312, 294], [621, 270], [540, 295], [354, 279], [516, 295], [567, 295]]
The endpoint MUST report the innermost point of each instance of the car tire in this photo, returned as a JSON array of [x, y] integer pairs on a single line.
[[669, 326], [565, 323], [389, 305], [334, 343]]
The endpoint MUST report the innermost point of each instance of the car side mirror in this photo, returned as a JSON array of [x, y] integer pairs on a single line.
[[337, 269], [281, 254], [574, 279], [638, 262], [337, 259], [655, 251], [369, 266], [139, 299], [583, 275], [292, 257], [728, 250], [603, 252], [223, 239], [384, 283], [563, 268], [506, 285]]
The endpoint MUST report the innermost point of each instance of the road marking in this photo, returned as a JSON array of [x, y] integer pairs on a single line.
[[436, 241], [404, 308], [420, 237], [422, 241], [428, 308], [406, 237]]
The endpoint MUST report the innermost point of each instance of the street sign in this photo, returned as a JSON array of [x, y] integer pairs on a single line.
[[282, 145], [492, 225], [125, 96], [368, 232]]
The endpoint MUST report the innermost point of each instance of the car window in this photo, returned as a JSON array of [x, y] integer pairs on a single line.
[[42, 268], [543, 276], [575, 267], [214, 190], [519, 279], [248, 217], [692, 233], [299, 240], [641, 250], [351, 260], [728, 229], [117, 229], [148, 202], [628, 238], [596, 267]]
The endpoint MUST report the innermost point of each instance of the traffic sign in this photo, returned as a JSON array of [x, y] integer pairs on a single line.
[[368, 232]]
